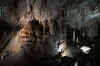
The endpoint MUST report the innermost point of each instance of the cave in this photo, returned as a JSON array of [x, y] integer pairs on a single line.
[[49, 32]]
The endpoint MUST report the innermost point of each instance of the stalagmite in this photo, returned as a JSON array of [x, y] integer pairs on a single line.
[[39, 19], [74, 35], [76, 63], [4, 33], [12, 32], [77, 40], [83, 33]]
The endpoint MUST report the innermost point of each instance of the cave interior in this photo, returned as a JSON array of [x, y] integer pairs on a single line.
[[49, 32]]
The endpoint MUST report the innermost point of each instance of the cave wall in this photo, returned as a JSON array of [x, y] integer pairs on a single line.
[[78, 13]]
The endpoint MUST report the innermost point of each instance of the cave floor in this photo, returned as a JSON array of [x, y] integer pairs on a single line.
[[17, 53]]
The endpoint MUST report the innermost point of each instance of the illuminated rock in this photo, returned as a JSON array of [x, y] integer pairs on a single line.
[[26, 33]]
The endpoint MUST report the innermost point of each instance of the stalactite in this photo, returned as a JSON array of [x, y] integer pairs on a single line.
[[0, 10], [16, 3], [32, 13], [83, 16], [50, 25], [60, 23], [53, 27], [66, 10], [28, 6], [44, 27], [4, 9]]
